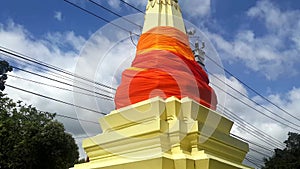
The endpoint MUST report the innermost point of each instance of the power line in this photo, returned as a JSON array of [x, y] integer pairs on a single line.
[[252, 127], [248, 141], [51, 67], [261, 136], [63, 77], [253, 90], [260, 161], [227, 72], [254, 133], [133, 6], [105, 8], [256, 160], [79, 137], [57, 100], [62, 102], [255, 101], [252, 162], [259, 152], [81, 88], [99, 17], [45, 84], [77, 119], [257, 109]]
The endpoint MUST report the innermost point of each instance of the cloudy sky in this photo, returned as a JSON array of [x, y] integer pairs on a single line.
[[258, 42]]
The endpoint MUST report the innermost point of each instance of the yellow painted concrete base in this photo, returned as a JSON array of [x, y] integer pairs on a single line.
[[164, 134]]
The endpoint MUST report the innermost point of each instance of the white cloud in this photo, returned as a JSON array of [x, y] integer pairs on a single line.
[[114, 3], [273, 54], [49, 49], [102, 59], [58, 15], [288, 102], [193, 8], [196, 8], [141, 4]]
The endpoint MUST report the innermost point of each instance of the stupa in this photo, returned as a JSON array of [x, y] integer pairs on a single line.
[[165, 116]]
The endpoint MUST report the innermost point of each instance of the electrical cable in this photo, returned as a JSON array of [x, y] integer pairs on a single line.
[[260, 161], [45, 84], [256, 109], [81, 88], [259, 152], [57, 100], [252, 162], [252, 132], [253, 90], [255, 101], [30, 59], [97, 123], [80, 137], [65, 78], [77, 119], [133, 7], [260, 132], [91, 13], [251, 142], [132, 40], [262, 138], [105, 8], [242, 83]]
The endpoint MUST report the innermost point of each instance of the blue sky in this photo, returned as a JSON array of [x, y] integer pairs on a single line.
[[257, 41], [226, 18]]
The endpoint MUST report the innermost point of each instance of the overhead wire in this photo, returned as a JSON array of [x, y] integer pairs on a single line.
[[259, 134], [245, 124], [253, 133], [75, 118], [253, 90], [61, 88], [231, 134], [50, 70], [252, 162], [254, 101], [128, 4], [260, 161], [251, 142], [88, 12], [259, 152], [80, 137], [262, 133], [109, 10], [99, 17], [263, 147], [27, 58], [56, 100], [104, 96], [259, 111], [12, 53]]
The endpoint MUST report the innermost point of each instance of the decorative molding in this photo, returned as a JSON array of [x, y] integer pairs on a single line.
[[174, 3]]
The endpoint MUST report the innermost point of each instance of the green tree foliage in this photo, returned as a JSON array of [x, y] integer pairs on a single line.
[[4, 68], [30, 139], [288, 158]]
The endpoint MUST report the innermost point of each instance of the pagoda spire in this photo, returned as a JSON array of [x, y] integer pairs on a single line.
[[163, 13]]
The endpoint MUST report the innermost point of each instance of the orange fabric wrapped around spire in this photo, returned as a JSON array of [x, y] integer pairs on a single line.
[[164, 66]]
